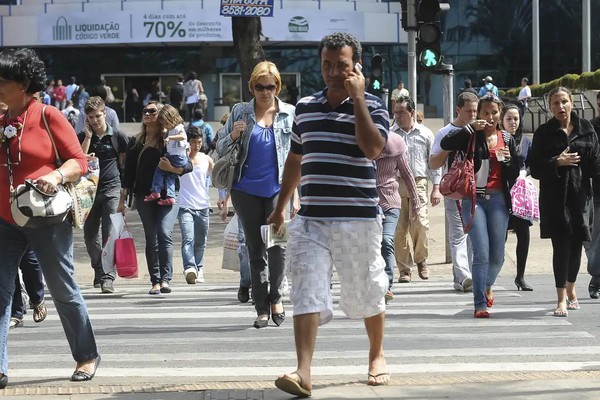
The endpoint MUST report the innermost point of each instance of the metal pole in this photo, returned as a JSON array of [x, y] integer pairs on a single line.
[[586, 62], [448, 93], [412, 49], [535, 28]]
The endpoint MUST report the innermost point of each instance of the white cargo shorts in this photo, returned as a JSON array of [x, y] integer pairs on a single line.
[[354, 247]]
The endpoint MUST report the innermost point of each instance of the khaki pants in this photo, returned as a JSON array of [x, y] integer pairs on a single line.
[[411, 239]]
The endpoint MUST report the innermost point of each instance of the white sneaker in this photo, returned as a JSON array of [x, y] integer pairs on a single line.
[[465, 286], [190, 275], [200, 277]]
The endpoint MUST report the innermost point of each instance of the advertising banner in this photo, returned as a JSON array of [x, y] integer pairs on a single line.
[[189, 26], [312, 25], [146, 27], [247, 8], [81, 28], [194, 26]]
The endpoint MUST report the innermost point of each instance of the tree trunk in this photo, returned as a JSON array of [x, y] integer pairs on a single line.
[[246, 41]]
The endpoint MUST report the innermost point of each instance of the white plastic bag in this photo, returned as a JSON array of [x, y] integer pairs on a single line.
[[230, 246], [108, 252]]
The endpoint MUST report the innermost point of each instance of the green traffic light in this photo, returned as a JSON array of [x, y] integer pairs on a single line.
[[429, 58]]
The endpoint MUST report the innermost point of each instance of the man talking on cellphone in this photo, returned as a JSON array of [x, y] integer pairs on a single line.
[[337, 134]]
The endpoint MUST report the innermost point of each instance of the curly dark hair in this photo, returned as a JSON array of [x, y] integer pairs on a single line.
[[23, 66], [338, 40]]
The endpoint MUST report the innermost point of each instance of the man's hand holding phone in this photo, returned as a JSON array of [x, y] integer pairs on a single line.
[[355, 82], [87, 129]]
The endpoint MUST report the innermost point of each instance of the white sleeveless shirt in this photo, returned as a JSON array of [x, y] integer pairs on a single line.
[[193, 189]]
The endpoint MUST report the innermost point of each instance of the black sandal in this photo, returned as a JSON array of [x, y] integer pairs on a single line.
[[39, 312]]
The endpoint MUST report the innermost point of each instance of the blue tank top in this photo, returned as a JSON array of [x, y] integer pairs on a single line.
[[259, 172]]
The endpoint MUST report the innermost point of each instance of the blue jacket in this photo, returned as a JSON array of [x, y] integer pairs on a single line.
[[282, 127]]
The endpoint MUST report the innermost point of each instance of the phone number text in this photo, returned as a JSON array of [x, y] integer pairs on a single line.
[[246, 11]]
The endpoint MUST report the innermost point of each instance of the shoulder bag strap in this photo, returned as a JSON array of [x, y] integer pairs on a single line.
[[58, 161], [469, 156]]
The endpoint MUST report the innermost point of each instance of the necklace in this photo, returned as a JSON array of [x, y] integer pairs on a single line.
[[12, 127]]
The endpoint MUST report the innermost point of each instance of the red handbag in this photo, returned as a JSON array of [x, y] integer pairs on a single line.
[[459, 181], [126, 256]]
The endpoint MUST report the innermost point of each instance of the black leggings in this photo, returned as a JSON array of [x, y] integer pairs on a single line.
[[521, 228], [566, 258]]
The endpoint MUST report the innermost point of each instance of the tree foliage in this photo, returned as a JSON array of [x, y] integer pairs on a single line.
[[246, 41]]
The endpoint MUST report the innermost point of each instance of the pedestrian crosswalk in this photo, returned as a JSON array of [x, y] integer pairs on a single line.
[[204, 333]]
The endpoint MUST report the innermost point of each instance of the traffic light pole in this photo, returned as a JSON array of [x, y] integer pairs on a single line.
[[411, 31], [448, 89]]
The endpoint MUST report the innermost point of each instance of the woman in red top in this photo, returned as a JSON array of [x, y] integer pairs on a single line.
[[60, 95], [26, 152], [495, 167]]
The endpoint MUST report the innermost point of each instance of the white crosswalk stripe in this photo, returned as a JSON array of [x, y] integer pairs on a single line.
[[201, 331]]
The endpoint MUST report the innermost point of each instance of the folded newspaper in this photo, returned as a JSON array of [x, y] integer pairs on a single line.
[[270, 238]]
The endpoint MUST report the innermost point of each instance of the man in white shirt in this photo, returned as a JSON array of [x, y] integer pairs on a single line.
[[460, 246], [71, 89], [524, 95], [399, 91], [411, 239]]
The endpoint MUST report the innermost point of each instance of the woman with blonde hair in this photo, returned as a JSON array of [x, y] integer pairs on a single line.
[[565, 157], [264, 127]]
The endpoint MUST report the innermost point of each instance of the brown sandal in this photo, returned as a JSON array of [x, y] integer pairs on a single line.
[[39, 312]]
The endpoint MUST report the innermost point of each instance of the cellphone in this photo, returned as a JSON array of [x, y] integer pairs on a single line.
[[358, 67]]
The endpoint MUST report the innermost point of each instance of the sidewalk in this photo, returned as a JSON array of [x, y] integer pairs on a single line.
[[583, 386]]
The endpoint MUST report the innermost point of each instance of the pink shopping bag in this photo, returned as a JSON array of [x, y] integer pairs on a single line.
[[126, 256]]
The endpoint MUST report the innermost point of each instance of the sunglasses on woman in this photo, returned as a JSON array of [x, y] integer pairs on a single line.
[[149, 111], [261, 88]]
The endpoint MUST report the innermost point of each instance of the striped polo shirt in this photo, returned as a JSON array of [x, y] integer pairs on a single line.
[[338, 181]]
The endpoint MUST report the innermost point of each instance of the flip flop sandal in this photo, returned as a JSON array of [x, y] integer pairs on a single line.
[[374, 377], [573, 305], [39, 312], [292, 386], [560, 313]]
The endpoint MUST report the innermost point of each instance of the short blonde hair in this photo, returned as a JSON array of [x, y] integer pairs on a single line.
[[262, 69]]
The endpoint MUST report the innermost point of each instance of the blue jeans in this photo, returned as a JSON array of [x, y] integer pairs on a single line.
[[242, 251], [487, 235], [194, 232], [166, 180], [53, 246], [33, 280], [105, 203], [387, 243], [158, 222]]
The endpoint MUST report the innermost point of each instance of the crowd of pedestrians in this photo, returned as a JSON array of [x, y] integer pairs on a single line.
[[350, 185]]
